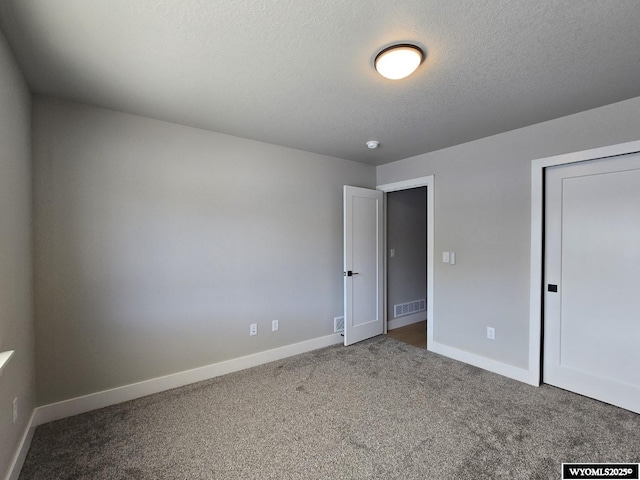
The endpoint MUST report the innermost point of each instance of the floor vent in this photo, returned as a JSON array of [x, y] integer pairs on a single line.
[[338, 324], [409, 308]]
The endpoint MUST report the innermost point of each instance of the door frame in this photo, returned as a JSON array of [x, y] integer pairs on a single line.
[[536, 319], [428, 182]]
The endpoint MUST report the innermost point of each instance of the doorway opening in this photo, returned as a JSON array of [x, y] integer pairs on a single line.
[[406, 260], [410, 317]]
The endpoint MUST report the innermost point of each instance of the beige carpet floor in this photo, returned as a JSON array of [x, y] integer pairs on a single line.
[[380, 409]]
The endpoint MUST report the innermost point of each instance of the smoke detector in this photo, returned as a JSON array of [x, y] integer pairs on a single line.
[[373, 144]]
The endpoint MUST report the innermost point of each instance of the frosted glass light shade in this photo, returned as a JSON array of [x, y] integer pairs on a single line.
[[398, 61]]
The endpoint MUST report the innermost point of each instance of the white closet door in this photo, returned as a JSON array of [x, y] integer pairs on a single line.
[[592, 279]]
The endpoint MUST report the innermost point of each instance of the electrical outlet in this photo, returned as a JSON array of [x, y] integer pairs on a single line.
[[491, 333], [253, 329], [15, 409], [274, 325]]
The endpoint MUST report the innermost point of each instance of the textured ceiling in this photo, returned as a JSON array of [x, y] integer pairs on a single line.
[[299, 73]]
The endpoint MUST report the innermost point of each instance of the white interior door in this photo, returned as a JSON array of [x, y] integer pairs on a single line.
[[592, 279], [363, 264]]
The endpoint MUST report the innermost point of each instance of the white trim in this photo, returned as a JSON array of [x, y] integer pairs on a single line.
[[482, 362], [75, 406], [21, 453], [537, 217], [385, 265], [4, 358], [407, 184], [429, 182], [407, 320]]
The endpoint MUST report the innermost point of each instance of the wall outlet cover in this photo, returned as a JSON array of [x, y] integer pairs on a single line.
[[491, 333]]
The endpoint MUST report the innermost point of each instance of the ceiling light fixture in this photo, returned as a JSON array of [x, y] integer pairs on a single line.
[[373, 144], [398, 61]]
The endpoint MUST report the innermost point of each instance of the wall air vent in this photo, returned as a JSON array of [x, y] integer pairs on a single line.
[[409, 308]]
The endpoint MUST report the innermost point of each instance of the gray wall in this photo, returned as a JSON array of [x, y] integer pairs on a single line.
[[407, 235], [158, 244], [482, 212], [16, 326]]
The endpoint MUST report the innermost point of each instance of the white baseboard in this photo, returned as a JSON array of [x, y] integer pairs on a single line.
[[520, 374], [406, 320], [21, 452], [75, 406]]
